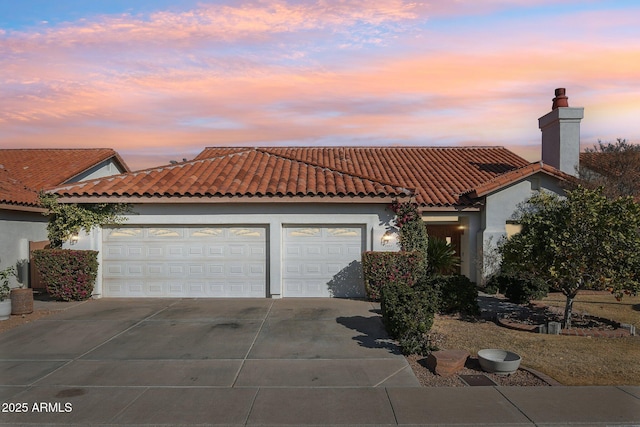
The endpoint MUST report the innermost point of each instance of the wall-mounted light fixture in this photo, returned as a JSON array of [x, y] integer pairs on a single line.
[[386, 239], [74, 238]]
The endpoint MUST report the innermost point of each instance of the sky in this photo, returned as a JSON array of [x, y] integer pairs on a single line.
[[159, 80]]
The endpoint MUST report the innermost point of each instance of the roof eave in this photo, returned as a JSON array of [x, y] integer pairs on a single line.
[[21, 207], [234, 199], [486, 189]]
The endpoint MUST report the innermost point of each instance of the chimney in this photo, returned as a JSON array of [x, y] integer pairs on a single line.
[[561, 134]]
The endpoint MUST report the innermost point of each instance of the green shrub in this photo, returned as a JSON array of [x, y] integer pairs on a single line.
[[517, 289], [397, 268], [408, 314], [457, 294], [441, 257], [5, 275], [68, 274], [412, 230]]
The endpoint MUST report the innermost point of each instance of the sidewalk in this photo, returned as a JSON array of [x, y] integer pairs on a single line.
[[247, 406]]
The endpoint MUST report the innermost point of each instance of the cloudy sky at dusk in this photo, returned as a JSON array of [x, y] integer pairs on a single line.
[[160, 80]]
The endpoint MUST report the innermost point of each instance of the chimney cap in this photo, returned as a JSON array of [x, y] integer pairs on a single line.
[[561, 100]]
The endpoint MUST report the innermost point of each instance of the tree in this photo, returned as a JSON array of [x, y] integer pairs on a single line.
[[583, 241], [68, 219], [613, 166]]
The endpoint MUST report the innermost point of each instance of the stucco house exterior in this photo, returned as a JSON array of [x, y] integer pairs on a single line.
[[23, 173], [294, 221]]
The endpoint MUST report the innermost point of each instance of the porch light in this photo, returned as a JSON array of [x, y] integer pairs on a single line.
[[387, 237], [74, 238]]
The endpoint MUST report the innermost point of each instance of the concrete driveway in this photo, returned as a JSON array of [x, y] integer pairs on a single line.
[[149, 360], [254, 362]]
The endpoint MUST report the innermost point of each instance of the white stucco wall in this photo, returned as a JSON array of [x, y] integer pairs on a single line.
[[106, 168], [375, 218], [17, 228], [500, 207]]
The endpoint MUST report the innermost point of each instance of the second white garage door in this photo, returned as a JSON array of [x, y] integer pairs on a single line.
[[196, 261], [323, 261]]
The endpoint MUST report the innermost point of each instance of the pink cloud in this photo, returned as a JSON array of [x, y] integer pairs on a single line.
[[267, 73]]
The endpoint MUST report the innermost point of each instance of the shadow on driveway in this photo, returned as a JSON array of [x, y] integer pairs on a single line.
[[373, 333]]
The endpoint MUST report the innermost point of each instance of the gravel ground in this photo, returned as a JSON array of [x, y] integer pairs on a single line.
[[428, 379]]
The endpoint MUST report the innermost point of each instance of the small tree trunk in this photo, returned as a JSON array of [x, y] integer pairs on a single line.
[[568, 309]]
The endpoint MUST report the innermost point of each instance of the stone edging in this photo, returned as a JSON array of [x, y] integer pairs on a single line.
[[544, 377], [596, 333]]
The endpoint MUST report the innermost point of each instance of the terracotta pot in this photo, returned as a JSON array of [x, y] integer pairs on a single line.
[[21, 301]]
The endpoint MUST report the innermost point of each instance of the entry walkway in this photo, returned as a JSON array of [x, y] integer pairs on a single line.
[[253, 362]]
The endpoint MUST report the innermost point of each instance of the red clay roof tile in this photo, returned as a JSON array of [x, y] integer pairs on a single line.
[[14, 192], [28, 171], [235, 173], [515, 175], [440, 175]]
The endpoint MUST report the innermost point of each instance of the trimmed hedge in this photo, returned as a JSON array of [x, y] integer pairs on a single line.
[[68, 274], [517, 289], [385, 268], [408, 312], [457, 294]]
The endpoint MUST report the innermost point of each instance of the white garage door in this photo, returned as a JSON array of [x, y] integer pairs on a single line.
[[323, 261], [184, 261]]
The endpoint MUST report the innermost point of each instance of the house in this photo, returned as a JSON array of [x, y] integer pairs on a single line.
[[23, 173], [293, 221]]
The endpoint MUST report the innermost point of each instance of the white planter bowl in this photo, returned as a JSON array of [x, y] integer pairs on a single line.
[[5, 309], [496, 361]]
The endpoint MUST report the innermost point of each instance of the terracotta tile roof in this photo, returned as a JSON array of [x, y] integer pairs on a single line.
[[437, 176], [246, 172], [440, 175], [516, 175], [27, 171], [14, 192]]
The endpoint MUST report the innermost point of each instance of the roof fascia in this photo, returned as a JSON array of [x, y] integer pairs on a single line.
[[11, 207], [449, 209]]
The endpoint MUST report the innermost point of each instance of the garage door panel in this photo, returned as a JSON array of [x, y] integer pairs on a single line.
[[135, 269], [313, 268], [177, 289], [155, 269], [334, 250], [215, 251], [257, 250], [196, 289], [155, 252], [293, 251], [134, 251], [185, 261], [113, 270], [313, 250], [175, 251], [215, 269], [196, 270], [322, 261], [196, 250]]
